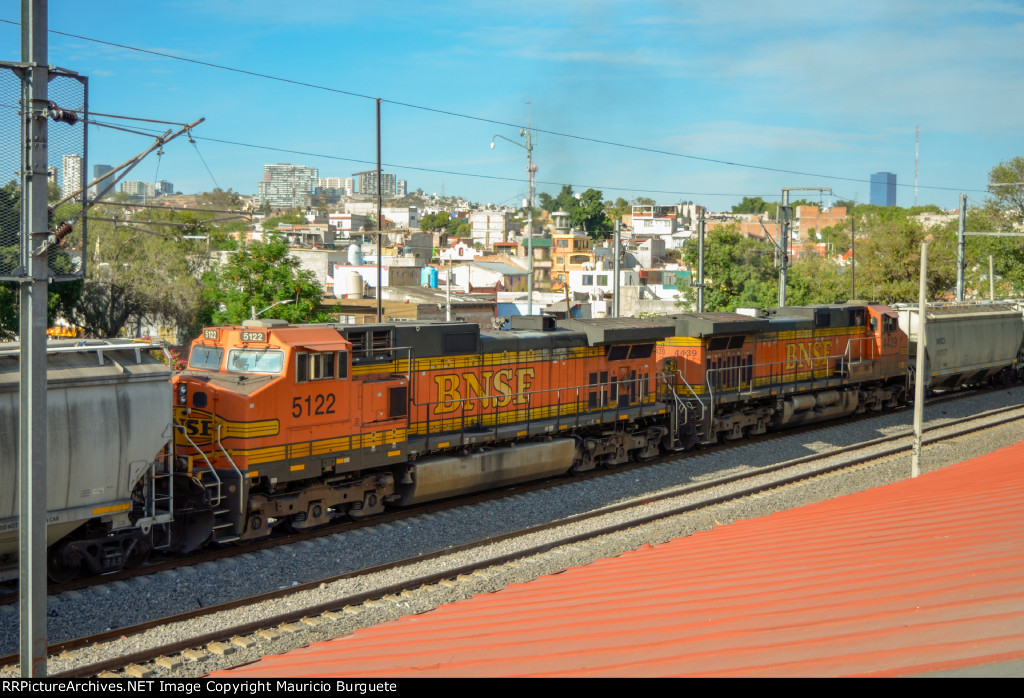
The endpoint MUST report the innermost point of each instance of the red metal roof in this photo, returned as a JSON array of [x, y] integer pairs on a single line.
[[918, 576]]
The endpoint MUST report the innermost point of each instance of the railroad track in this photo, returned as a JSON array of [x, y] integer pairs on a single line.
[[160, 562], [275, 622]]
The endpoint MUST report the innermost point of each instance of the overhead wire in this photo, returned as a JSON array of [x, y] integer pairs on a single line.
[[445, 112]]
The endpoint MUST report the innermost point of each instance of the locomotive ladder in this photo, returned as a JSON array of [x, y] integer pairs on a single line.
[[208, 477], [683, 409]]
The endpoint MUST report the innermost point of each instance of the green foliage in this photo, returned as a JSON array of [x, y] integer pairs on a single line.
[[143, 267], [816, 280], [219, 199], [616, 210], [289, 218], [259, 275], [60, 296], [751, 205], [435, 221], [1008, 200], [889, 259], [739, 271], [586, 211]]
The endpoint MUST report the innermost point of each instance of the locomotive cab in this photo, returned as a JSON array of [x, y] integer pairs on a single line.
[[266, 419]]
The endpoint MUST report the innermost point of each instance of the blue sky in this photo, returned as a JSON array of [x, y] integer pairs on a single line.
[[729, 93]]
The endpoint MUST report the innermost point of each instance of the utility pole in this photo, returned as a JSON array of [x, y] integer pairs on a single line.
[[700, 262], [32, 332], [527, 133], [380, 226], [616, 253], [961, 248], [784, 246], [784, 234]]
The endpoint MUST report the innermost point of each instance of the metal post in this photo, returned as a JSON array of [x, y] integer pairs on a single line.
[[529, 219], [32, 332], [448, 294], [991, 280], [700, 263], [961, 247], [380, 226], [784, 245], [616, 253], [919, 371], [853, 256]]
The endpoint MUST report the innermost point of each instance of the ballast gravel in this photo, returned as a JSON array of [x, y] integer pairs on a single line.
[[193, 587]]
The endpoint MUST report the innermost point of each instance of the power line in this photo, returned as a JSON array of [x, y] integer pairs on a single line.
[[432, 170], [481, 119]]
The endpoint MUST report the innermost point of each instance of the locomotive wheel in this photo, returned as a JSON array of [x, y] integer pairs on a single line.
[[57, 570]]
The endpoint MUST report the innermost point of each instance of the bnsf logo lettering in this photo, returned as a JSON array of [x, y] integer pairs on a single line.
[[200, 427], [503, 388], [808, 355]]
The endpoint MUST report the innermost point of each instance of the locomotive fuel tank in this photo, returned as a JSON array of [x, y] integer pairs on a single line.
[[108, 417]]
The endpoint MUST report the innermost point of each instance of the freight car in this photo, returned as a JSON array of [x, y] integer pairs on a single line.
[[966, 344], [108, 416], [292, 425]]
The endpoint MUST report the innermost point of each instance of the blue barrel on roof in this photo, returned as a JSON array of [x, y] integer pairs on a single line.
[[428, 277]]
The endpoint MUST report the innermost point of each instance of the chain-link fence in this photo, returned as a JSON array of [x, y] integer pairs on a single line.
[[66, 168]]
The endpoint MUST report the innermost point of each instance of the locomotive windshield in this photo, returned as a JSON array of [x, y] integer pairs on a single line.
[[205, 358], [255, 361]]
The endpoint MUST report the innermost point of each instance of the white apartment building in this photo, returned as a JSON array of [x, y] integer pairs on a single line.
[[72, 174]]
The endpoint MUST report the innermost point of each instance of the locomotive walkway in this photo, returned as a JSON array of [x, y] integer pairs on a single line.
[[921, 576]]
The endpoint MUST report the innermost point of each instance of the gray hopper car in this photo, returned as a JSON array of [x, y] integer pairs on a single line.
[[966, 344], [109, 416]]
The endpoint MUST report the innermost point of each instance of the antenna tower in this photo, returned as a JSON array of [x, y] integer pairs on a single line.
[[917, 142]]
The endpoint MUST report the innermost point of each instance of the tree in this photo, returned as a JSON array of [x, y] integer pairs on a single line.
[[889, 259], [739, 271], [1008, 198], [60, 296], [587, 213], [435, 221], [816, 280], [258, 276], [143, 267], [751, 205], [222, 200]]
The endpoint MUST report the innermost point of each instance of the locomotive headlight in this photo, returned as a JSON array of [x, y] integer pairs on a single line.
[[181, 393]]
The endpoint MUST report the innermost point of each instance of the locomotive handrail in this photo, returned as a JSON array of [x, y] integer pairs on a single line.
[[679, 372], [100, 346], [713, 376], [241, 490], [528, 417]]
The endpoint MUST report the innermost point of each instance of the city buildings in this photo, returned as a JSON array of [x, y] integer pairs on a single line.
[[368, 183], [97, 172], [71, 166], [139, 189], [287, 186], [883, 189]]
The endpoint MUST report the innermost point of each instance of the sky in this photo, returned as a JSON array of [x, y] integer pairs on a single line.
[[703, 101]]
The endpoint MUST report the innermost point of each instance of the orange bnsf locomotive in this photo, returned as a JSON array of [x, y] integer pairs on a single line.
[[298, 423], [742, 375]]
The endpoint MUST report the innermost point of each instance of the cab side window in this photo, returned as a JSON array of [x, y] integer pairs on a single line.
[[315, 366]]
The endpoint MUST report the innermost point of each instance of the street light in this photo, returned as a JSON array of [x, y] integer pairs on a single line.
[[528, 135], [256, 315]]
